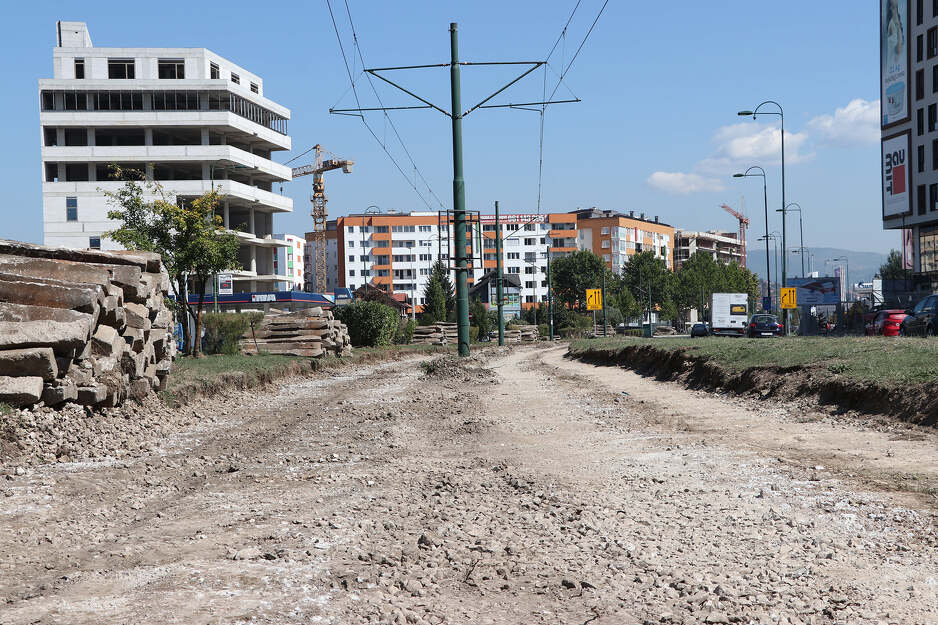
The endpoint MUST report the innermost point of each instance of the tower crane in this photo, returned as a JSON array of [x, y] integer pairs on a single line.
[[319, 166], [743, 224]]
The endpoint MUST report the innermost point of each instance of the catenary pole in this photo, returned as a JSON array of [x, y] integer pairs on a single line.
[[498, 277], [459, 198], [550, 298]]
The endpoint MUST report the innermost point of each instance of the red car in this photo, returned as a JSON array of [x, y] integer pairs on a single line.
[[886, 323]]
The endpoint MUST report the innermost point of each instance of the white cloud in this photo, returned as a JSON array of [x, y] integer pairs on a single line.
[[742, 143], [853, 125], [682, 184]]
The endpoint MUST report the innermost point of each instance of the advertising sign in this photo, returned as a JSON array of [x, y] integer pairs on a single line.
[[907, 251], [225, 286], [894, 61], [524, 218], [816, 291], [896, 165]]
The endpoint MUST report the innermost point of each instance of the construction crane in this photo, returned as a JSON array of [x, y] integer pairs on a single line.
[[318, 198], [743, 224]]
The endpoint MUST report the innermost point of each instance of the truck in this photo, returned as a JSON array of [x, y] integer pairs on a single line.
[[729, 314]]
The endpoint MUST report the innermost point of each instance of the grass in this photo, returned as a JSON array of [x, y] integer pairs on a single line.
[[886, 360], [5, 409]]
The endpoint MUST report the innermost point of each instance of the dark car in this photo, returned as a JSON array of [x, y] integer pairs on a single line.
[[886, 323], [922, 319], [699, 329], [763, 325]]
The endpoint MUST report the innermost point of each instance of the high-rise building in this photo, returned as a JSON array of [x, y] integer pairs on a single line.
[[185, 117], [291, 261], [724, 247], [615, 237]]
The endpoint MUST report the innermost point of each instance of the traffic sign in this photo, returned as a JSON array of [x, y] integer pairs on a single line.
[[766, 303], [790, 297], [594, 299]]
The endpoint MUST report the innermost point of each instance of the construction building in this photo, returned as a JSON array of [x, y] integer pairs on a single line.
[[291, 261], [615, 237], [185, 117], [724, 247]]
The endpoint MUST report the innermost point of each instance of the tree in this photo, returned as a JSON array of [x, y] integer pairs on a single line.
[[892, 269], [434, 301], [189, 237], [440, 274], [480, 317], [738, 279], [699, 277], [643, 272], [571, 275]]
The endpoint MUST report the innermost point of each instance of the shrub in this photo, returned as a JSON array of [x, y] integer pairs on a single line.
[[473, 334], [223, 331], [543, 330], [405, 332], [370, 323]]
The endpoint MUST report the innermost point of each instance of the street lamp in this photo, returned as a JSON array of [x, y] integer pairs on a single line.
[[781, 114], [765, 200], [774, 237], [800, 231], [804, 252]]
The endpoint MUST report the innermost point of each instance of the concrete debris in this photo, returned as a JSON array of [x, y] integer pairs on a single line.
[[311, 333], [81, 325]]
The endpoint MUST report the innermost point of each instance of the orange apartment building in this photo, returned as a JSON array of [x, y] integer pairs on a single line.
[[615, 237]]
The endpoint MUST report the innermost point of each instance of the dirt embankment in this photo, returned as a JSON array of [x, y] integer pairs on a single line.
[[917, 403]]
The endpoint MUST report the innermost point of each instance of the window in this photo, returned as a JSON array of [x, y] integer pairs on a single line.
[[919, 84], [170, 69], [932, 117], [50, 137], [529, 227], [934, 77], [94, 243], [931, 49], [606, 244], [351, 273], [921, 199], [529, 284], [254, 88], [921, 158], [76, 172], [79, 68], [605, 230], [919, 12], [75, 101], [430, 228], [117, 100], [934, 154], [918, 49], [351, 259], [213, 72], [920, 122], [76, 136], [235, 78], [514, 255], [531, 241], [932, 197], [934, 8], [71, 209], [48, 101], [426, 257], [120, 68], [175, 101]]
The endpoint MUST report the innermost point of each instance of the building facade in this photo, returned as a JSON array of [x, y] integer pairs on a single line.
[[615, 237], [185, 117], [291, 261], [724, 247]]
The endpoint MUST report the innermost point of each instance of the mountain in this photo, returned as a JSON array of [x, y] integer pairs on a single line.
[[862, 265]]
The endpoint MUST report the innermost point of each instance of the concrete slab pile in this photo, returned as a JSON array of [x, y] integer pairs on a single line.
[[441, 333], [521, 334], [312, 333], [84, 326]]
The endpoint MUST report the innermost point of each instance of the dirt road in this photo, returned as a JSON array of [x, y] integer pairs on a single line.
[[522, 489]]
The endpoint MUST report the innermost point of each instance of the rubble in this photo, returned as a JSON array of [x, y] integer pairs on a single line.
[[312, 333], [81, 325]]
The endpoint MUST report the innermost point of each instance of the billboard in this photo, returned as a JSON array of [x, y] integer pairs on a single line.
[[907, 250], [817, 291], [896, 168], [225, 284], [894, 61]]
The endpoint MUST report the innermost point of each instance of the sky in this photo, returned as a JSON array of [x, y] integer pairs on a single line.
[[656, 130]]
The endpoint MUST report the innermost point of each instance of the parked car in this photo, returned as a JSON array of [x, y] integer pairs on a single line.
[[922, 319], [886, 323], [699, 329], [763, 325]]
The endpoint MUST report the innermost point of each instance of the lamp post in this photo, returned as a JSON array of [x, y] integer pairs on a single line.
[[765, 202], [800, 231], [773, 236], [781, 114]]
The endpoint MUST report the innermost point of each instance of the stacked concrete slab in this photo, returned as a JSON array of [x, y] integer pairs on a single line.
[[441, 333], [312, 333], [83, 326], [521, 334]]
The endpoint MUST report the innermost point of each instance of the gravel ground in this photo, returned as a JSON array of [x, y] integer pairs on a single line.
[[515, 488]]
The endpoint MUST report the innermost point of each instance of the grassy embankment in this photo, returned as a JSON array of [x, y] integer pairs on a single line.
[[887, 361], [190, 377]]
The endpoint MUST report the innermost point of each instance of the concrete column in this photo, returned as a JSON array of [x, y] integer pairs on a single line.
[[148, 170], [251, 222], [253, 262], [226, 214], [61, 175], [205, 136], [147, 136], [206, 174], [91, 137], [60, 136], [91, 171]]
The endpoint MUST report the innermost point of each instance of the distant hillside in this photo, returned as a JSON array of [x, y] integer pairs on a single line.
[[862, 264]]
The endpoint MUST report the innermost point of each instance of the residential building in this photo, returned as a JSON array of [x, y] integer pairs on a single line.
[[397, 250], [724, 247], [290, 261], [615, 237], [185, 117]]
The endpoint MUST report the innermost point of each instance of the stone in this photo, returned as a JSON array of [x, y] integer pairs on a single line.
[[107, 342], [37, 361], [146, 261], [58, 392], [50, 293], [139, 389], [247, 553], [92, 395], [135, 337], [20, 391], [137, 316], [63, 337]]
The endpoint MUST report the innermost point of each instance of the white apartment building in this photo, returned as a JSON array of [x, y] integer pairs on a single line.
[[290, 261], [186, 117]]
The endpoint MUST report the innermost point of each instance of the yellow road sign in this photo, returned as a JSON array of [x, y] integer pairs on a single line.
[[789, 297], [594, 299]]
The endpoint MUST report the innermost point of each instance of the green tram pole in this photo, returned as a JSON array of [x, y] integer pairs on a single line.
[[498, 277], [459, 198]]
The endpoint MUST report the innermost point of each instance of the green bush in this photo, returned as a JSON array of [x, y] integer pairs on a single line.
[[543, 330], [370, 323], [473, 334], [223, 331], [405, 332]]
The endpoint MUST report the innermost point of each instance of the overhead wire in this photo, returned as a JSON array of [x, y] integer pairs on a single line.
[[358, 105]]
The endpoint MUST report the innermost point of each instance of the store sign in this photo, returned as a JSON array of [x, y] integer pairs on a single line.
[[894, 61], [528, 218], [897, 196], [263, 297]]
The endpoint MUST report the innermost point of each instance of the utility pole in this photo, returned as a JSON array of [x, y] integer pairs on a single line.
[[498, 269], [456, 115], [550, 298], [603, 293]]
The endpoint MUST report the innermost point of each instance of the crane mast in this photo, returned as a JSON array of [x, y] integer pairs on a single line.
[[319, 166], [743, 224]]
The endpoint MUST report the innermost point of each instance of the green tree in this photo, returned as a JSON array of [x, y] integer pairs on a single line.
[[892, 269], [571, 275], [440, 274], [480, 316], [188, 236], [699, 277], [370, 323], [434, 301], [644, 272]]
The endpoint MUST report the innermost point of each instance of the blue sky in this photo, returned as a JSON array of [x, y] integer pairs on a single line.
[[656, 132]]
